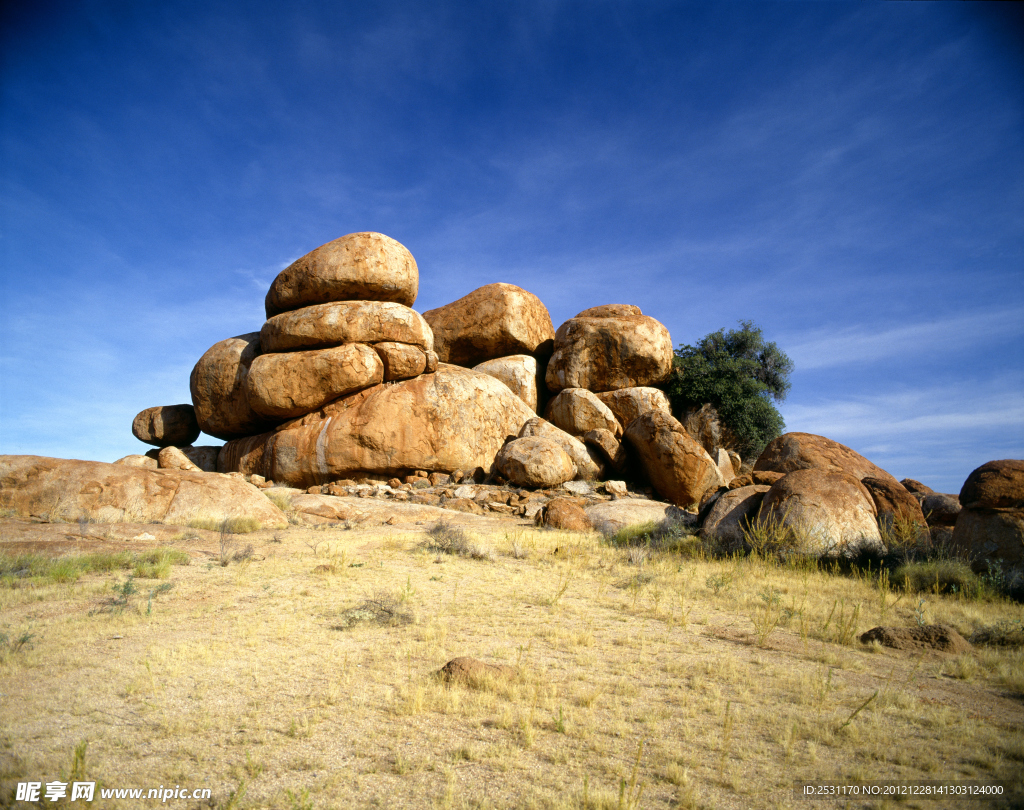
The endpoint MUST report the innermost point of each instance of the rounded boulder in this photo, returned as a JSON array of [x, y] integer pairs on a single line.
[[166, 425], [358, 267], [577, 411], [535, 462], [804, 451], [322, 326]]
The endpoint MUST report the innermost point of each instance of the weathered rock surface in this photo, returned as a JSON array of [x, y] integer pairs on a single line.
[[283, 386], [629, 403], [401, 361], [678, 467], [496, 320], [995, 485], [829, 510], [610, 516], [609, 352], [802, 451], [204, 456], [455, 419], [587, 467], [724, 464], [360, 266], [171, 458], [166, 425], [991, 536], [611, 311], [732, 513], [518, 372], [561, 513], [146, 462], [577, 411], [535, 462], [893, 503], [62, 489], [321, 326], [218, 389]]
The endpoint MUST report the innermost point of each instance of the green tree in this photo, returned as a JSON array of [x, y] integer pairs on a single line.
[[739, 374]]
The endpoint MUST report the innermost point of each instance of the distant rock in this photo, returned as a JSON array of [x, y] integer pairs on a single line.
[[577, 411], [321, 326], [518, 372], [496, 320], [940, 509], [535, 462], [995, 485], [218, 389], [917, 487], [802, 451], [357, 267], [609, 351], [990, 527], [166, 425]]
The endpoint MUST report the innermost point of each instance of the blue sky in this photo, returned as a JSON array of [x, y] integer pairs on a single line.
[[848, 176]]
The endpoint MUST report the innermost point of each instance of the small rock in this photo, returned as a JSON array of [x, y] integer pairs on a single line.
[[438, 479], [394, 483], [578, 487], [171, 458], [473, 672], [257, 480], [617, 488]]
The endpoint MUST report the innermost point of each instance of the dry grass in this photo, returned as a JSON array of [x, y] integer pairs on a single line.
[[302, 677]]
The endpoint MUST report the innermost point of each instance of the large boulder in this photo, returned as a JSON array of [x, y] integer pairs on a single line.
[[324, 325], [588, 468], [629, 403], [677, 466], [65, 490], [455, 419], [360, 266], [995, 485], [609, 350], [166, 425], [829, 511], [218, 389], [496, 320], [291, 384], [803, 451], [893, 503], [535, 462], [577, 411], [518, 372], [610, 516], [732, 513], [990, 527]]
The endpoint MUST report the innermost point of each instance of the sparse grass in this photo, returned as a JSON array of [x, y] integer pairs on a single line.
[[282, 499], [281, 687], [235, 525]]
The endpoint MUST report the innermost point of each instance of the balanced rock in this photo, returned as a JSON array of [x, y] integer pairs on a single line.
[[678, 467], [577, 411], [218, 389], [360, 266], [535, 462], [60, 489], [995, 485], [587, 467], [291, 384], [455, 419], [829, 511], [518, 372], [321, 326], [166, 425], [893, 503], [803, 451], [608, 351], [629, 403], [401, 361], [732, 513], [496, 320]]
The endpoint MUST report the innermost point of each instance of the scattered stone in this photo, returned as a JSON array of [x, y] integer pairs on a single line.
[[608, 352], [166, 425], [535, 462], [616, 488], [438, 479], [929, 637], [518, 372], [496, 320], [359, 266], [577, 411], [463, 505], [565, 515], [678, 467], [582, 488], [219, 393], [394, 483], [257, 480]]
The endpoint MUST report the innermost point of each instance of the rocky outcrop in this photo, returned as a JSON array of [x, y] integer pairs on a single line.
[[324, 325], [732, 513], [360, 266], [166, 425], [577, 411], [608, 351], [497, 320], [587, 467], [66, 490], [534, 462], [290, 384], [804, 451], [218, 389], [829, 511], [990, 527], [678, 467], [455, 419], [518, 372]]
